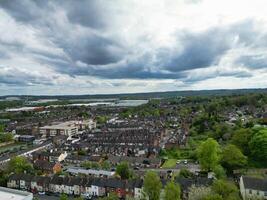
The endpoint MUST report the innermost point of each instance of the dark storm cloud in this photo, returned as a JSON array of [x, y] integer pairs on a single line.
[[24, 10], [92, 51], [15, 76], [199, 50], [253, 61], [87, 13], [92, 13]]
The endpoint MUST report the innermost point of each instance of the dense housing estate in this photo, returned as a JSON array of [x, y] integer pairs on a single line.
[[80, 154]]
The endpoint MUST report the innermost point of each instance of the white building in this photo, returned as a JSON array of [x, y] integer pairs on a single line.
[[11, 194], [252, 188], [68, 128], [92, 172], [65, 128], [85, 124]]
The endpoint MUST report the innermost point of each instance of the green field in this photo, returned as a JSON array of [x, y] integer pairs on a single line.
[[170, 163]]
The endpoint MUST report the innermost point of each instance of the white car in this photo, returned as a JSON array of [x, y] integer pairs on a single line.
[[41, 193]]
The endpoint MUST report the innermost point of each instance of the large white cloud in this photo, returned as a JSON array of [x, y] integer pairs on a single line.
[[97, 46]]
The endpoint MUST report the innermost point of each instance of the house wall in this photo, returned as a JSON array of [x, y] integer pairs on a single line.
[[137, 193], [254, 194], [250, 194], [57, 168]]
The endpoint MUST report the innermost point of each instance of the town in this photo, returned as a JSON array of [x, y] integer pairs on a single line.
[[167, 147]]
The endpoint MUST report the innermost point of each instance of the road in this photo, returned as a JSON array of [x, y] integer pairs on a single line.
[[45, 145], [46, 197]]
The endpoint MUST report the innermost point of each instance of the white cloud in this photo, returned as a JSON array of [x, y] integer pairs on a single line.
[[131, 46]]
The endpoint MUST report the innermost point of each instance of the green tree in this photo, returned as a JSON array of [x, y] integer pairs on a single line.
[[123, 170], [2, 128], [63, 197], [198, 193], [213, 197], [111, 196], [233, 158], [224, 188], [3, 178], [241, 138], [81, 152], [152, 185], [86, 164], [185, 173], [208, 154], [258, 145], [101, 119], [6, 137], [19, 165], [219, 172], [172, 191], [105, 165]]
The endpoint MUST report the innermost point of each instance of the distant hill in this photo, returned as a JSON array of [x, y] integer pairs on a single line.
[[148, 95]]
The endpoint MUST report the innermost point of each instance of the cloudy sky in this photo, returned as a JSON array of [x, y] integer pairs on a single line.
[[118, 46]]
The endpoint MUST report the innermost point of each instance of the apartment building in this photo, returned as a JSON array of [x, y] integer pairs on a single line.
[[68, 128]]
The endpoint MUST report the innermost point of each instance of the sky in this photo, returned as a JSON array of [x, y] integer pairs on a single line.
[[58, 47]]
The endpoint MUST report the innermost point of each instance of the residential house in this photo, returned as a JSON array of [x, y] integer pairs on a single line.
[[187, 183], [56, 184], [14, 181], [98, 188], [253, 188], [40, 184], [47, 167], [138, 189]]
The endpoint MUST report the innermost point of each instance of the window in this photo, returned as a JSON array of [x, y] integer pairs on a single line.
[[250, 191], [265, 193]]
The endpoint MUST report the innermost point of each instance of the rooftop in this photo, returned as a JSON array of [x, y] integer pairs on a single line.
[[11, 194], [255, 183]]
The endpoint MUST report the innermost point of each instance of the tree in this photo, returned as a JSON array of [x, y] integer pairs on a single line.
[[213, 197], [105, 165], [185, 173], [258, 145], [19, 165], [3, 178], [172, 191], [233, 158], [86, 164], [198, 193], [219, 172], [152, 185], [123, 170], [224, 188], [63, 197], [6, 137], [241, 138], [208, 154], [81, 152], [111, 196], [101, 119]]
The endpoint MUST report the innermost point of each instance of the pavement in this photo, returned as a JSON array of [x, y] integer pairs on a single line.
[[46, 197]]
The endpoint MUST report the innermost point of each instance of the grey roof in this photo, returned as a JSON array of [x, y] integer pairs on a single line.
[[76, 170], [255, 183]]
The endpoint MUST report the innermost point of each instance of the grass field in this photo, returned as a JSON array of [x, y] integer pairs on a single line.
[[170, 163]]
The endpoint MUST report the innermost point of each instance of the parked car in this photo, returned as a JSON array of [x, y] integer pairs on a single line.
[[41, 193]]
